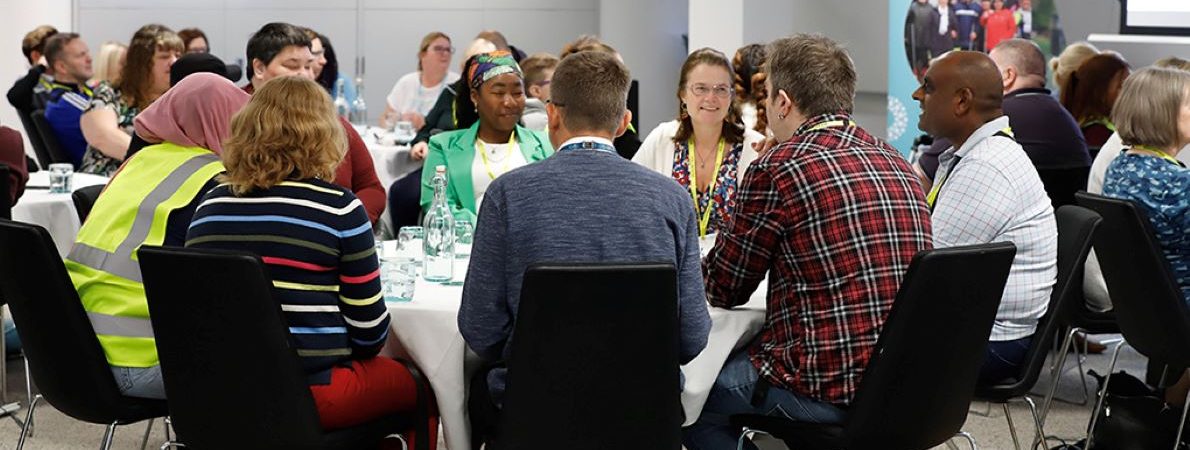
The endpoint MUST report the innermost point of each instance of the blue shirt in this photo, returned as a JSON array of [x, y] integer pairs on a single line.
[[63, 111], [581, 205], [1160, 188]]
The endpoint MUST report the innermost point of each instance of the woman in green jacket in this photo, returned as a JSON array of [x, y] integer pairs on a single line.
[[491, 147]]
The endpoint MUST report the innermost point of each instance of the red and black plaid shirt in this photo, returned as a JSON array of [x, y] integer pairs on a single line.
[[834, 215]]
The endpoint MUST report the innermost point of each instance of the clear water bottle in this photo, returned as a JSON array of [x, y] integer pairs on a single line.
[[439, 225], [341, 106], [359, 110]]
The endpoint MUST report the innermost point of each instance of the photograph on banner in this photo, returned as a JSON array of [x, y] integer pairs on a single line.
[[934, 27]]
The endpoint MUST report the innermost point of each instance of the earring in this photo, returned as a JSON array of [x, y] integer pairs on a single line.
[[682, 112], [780, 116]]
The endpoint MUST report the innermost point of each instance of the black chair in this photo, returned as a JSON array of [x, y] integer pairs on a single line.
[[64, 355], [1075, 228], [1061, 184], [594, 364], [1149, 305], [84, 199], [232, 376], [919, 383], [49, 138], [43, 155]]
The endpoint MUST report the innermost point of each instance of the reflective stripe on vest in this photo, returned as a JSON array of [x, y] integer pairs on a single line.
[[120, 262], [133, 211]]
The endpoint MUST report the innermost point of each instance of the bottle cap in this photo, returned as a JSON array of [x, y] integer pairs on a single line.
[[440, 169]]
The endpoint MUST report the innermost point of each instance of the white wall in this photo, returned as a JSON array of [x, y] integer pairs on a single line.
[[18, 18], [718, 24], [389, 31], [648, 34]]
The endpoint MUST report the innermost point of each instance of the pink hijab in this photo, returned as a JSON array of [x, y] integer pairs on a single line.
[[194, 113]]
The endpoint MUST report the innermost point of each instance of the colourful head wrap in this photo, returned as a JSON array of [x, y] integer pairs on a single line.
[[490, 65]]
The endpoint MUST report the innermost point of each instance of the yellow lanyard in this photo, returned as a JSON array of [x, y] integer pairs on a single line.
[[483, 152], [833, 123], [1158, 153], [932, 196], [82, 87], [1099, 121], [706, 214]]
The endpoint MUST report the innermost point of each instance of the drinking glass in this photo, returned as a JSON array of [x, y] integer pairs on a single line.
[[399, 279], [61, 175], [464, 235], [409, 241], [403, 132]]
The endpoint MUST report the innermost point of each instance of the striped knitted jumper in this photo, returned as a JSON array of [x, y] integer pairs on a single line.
[[316, 241]]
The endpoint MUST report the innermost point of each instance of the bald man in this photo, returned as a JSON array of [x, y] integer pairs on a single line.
[[986, 190]]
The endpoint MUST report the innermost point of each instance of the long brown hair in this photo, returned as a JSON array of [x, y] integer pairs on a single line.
[[136, 78], [1085, 92], [733, 126]]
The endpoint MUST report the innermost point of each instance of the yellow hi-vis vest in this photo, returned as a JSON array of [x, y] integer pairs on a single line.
[[132, 211]]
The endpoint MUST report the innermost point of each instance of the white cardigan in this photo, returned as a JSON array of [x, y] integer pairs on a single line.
[[657, 150]]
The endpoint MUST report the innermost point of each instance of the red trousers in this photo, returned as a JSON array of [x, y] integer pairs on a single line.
[[367, 390]]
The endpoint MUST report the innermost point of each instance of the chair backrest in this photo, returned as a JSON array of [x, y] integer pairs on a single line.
[[49, 138], [43, 155], [84, 199], [594, 360], [1148, 303], [1061, 184], [921, 378], [1076, 226], [232, 378], [5, 195], [65, 359]]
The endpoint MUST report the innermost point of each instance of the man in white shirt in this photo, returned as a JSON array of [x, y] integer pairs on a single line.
[[986, 190]]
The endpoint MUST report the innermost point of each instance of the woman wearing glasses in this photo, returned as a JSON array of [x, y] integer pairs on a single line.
[[707, 149], [415, 93]]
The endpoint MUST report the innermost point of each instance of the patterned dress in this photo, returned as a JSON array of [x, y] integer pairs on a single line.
[[1162, 190], [95, 161], [722, 199]]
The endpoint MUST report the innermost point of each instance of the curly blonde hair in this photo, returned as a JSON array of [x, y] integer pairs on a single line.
[[288, 131]]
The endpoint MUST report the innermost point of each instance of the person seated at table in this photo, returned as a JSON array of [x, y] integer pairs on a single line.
[[32, 91], [281, 49], [326, 66], [107, 121], [832, 215], [316, 239], [1152, 117], [1094, 287], [493, 145], [539, 69], [188, 64], [628, 143], [194, 41], [986, 190], [109, 62], [69, 61], [414, 93], [404, 196], [1089, 94], [592, 199], [191, 122], [706, 149], [445, 115]]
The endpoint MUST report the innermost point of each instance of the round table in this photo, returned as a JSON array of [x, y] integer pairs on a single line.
[[391, 161], [54, 212]]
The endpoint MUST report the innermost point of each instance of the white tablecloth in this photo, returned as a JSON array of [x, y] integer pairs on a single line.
[[54, 212], [426, 331]]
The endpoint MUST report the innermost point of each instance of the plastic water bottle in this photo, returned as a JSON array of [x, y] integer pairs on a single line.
[[359, 110], [341, 106], [439, 225]]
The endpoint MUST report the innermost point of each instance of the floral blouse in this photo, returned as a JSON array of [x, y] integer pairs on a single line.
[[95, 161], [1159, 188], [723, 197]]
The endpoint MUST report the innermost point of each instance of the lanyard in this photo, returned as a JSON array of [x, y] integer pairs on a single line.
[[591, 145], [1100, 121], [932, 196], [483, 152], [1159, 154], [706, 214]]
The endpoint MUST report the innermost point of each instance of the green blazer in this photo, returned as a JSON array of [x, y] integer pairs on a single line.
[[456, 150]]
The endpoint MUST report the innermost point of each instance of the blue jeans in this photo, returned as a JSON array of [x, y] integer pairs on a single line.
[[1003, 360], [732, 394], [143, 382]]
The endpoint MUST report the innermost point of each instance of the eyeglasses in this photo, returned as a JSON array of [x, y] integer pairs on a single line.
[[442, 49], [720, 90]]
